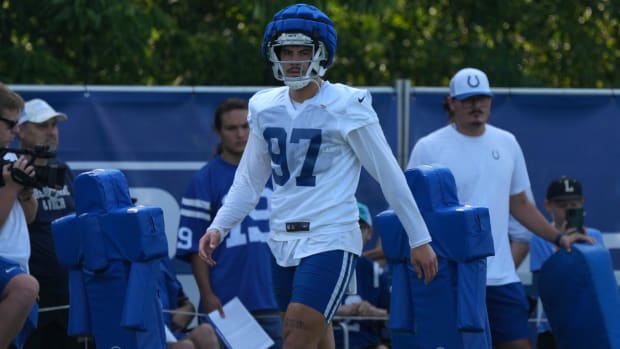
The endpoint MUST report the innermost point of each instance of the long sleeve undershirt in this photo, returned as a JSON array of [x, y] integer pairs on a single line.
[[373, 151]]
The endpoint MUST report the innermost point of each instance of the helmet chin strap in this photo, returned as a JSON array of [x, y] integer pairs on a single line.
[[297, 84]]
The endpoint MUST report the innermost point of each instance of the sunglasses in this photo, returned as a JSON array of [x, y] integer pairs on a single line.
[[9, 123]]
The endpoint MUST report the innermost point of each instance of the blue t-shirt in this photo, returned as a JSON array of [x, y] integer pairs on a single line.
[[243, 259], [540, 251]]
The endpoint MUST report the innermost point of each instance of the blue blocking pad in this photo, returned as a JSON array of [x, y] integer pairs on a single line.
[[462, 233], [580, 297], [113, 250], [451, 310]]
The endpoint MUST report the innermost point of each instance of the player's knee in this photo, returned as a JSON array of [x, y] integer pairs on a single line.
[[24, 289], [204, 337], [204, 332], [304, 327]]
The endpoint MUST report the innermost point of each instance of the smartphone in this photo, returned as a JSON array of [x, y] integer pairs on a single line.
[[574, 219]]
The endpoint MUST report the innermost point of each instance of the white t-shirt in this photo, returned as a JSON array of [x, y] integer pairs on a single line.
[[314, 152], [14, 239], [488, 169]]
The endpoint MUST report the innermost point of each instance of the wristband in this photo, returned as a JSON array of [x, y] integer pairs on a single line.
[[558, 239]]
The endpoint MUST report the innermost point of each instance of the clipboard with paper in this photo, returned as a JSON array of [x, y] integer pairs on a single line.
[[238, 329]]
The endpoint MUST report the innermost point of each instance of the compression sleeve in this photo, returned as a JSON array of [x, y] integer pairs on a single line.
[[371, 147], [250, 179]]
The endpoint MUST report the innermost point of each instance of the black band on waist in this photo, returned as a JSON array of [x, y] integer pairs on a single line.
[[293, 227]]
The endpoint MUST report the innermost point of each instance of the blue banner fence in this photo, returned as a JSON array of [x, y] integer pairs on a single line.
[[158, 136]]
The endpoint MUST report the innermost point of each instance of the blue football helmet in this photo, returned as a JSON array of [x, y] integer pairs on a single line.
[[300, 25]]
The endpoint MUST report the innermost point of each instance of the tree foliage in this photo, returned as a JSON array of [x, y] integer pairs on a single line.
[[523, 43]]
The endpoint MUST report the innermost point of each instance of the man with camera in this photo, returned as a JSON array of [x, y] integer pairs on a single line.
[[564, 202], [18, 290], [38, 133]]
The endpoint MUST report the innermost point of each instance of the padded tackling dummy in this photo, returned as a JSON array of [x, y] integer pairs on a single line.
[[580, 297], [450, 312], [113, 250]]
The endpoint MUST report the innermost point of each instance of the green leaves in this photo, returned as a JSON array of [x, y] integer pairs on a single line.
[[194, 42]]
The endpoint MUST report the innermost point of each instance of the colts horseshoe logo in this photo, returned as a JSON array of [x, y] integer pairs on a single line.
[[495, 154], [476, 84]]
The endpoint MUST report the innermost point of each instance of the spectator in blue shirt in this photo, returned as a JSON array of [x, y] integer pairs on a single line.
[[563, 195]]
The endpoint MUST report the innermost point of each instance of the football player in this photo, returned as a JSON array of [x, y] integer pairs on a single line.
[[312, 137]]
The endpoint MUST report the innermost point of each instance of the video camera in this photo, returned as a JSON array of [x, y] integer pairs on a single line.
[[50, 175]]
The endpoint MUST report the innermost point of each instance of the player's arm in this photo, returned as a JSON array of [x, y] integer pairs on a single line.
[[376, 253], [202, 275], [371, 147], [527, 214], [250, 179], [8, 194], [519, 236], [181, 320], [29, 204], [11, 189], [196, 215], [519, 250]]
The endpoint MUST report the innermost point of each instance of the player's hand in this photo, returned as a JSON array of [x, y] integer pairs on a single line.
[[568, 239], [367, 309], [207, 244], [211, 302], [21, 165], [424, 262]]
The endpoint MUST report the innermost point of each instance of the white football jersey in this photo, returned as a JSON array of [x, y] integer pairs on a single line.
[[314, 152], [314, 170]]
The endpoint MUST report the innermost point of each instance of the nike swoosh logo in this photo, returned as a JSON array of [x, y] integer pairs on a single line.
[[361, 99], [8, 270]]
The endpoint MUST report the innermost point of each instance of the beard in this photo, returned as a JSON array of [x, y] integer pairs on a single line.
[[476, 123]]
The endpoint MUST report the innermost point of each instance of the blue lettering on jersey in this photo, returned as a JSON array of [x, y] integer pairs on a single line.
[[255, 227], [276, 139], [205, 195]]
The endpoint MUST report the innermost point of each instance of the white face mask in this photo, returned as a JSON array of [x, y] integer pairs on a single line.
[[314, 67]]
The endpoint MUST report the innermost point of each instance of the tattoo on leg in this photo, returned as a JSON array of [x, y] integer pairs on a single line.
[[293, 323]]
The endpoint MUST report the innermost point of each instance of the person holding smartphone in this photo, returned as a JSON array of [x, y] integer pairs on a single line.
[[564, 202]]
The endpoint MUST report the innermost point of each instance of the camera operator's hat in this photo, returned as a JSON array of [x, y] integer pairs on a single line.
[[469, 82], [38, 111], [564, 188]]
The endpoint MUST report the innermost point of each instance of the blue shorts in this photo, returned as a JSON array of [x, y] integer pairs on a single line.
[[508, 312], [8, 270], [319, 281]]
